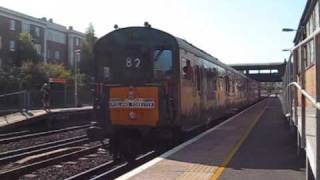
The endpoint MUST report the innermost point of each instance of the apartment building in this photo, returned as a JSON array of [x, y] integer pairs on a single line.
[[53, 42]]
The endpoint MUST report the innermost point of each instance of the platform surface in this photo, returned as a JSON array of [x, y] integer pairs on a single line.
[[254, 144], [18, 117]]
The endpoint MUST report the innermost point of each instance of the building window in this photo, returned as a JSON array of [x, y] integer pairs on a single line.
[[56, 36], [12, 45], [48, 53], [37, 31], [77, 42], [12, 25], [57, 55], [25, 27], [37, 47]]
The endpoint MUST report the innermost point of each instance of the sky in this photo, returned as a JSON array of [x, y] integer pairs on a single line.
[[234, 31]]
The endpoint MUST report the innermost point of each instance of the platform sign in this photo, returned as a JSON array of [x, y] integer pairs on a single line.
[[56, 80]]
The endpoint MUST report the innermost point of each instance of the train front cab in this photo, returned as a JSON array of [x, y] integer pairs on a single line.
[[137, 86]]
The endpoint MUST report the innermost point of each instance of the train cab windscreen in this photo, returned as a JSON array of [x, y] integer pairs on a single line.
[[135, 65], [162, 64]]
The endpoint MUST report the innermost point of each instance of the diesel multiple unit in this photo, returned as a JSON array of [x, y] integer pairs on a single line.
[[151, 87]]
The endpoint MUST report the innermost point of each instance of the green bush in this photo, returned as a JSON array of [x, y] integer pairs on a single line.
[[30, 76]]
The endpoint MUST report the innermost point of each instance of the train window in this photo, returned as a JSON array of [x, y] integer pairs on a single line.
[[162, 67], [106, 72], [233, 84], [227, 83], [198, 77], [187, 70], [212, 79]]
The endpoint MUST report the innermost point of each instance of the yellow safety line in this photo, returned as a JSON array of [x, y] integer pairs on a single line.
[[217, 173]]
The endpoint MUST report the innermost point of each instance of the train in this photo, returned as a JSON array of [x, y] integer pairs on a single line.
[[151, 87]]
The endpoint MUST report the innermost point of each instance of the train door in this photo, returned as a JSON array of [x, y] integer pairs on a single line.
[[203, 90], [199, 87], [187, 89]]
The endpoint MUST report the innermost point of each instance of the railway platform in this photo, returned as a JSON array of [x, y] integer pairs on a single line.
[[21, 118], [254, 144]]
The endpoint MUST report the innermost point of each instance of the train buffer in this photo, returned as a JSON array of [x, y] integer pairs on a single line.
[[22, 118], [255, 144]]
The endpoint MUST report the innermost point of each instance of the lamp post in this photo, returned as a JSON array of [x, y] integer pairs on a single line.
[[77, 59], [288, 29], [286, 50]]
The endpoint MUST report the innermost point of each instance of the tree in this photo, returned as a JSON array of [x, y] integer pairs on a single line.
[[86, 62], [55, 71], [32, 76], [25, 50], [90, 36], [9, 79]]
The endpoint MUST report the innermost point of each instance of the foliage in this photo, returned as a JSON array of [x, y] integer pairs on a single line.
[[86, 62], [9, 80], [25, 50], [30, 76], [90, 36], [55, 71]]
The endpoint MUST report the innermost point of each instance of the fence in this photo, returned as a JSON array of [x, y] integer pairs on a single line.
[[26, 100], [13, 102]]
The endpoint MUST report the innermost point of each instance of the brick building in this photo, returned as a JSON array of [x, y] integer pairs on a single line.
[[54, 43]]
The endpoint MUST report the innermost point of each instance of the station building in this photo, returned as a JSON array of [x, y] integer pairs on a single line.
[[304, 55], [302, 87], [54, 43]]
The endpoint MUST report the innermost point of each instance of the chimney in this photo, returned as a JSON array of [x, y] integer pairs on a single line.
[[50, 20]]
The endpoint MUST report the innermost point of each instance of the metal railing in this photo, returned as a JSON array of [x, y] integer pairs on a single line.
[[14, 102], [32, 99], [294, 99], [308, 96]]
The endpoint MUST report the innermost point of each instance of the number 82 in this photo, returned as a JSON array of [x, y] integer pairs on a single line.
[[133, 63]]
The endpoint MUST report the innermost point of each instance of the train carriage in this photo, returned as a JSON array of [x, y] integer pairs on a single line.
[[151, 85]]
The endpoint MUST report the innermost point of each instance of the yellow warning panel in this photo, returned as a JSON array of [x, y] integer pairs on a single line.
[[134, 106]]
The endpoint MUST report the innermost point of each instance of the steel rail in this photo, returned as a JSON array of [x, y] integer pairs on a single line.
[[38, 151], [40, 146], [33, 135], [12, 134], [119, 169], [16, 172], [93, 171]]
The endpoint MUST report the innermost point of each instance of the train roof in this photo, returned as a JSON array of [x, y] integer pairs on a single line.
[[183, 44], [201, 53]]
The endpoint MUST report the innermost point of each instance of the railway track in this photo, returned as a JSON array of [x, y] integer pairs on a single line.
[[16, 162], [12, 134], [18, 137], [13, 155], [16, 172], [112, 169]]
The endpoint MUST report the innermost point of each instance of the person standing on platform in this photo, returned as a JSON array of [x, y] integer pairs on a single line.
[[45, 90]]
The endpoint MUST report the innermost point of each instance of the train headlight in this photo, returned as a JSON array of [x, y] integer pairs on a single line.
[[132, 115]]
